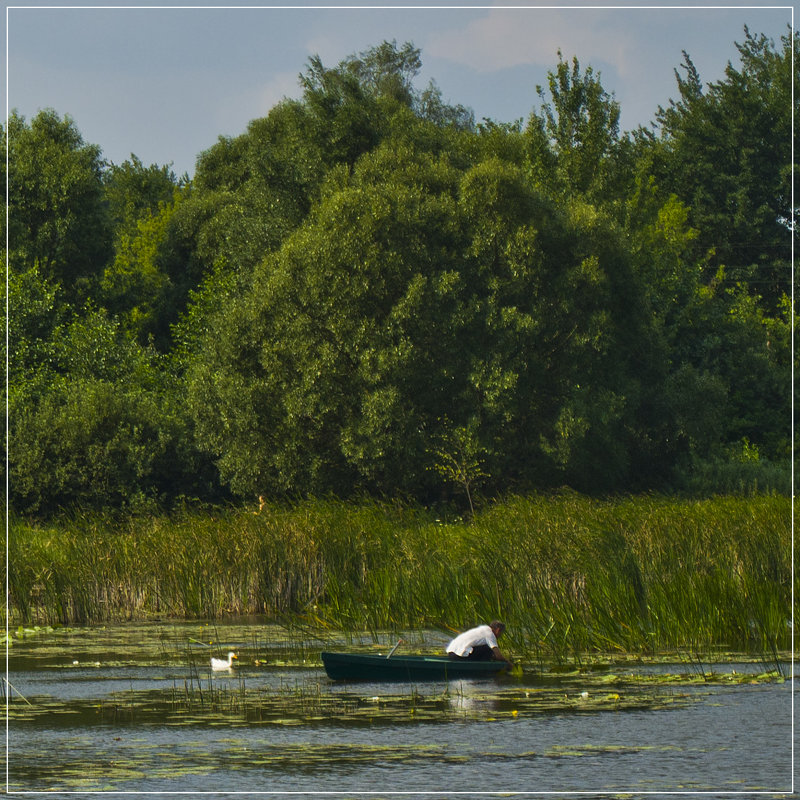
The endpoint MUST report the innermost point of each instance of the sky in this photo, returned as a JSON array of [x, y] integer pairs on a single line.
[[165, 82]]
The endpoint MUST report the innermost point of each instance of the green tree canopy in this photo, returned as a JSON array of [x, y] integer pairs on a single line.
[[725, 150], [58, 219], [366, 292], [582, 122]]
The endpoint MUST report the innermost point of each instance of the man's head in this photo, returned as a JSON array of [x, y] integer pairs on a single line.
[[497, 627]]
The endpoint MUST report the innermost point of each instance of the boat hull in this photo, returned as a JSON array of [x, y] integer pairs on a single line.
[[360, 667]]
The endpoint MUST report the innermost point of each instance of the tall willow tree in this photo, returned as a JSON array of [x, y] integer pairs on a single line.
[[327, 365], [418, 297]]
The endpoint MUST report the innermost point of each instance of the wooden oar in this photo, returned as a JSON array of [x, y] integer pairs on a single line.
[[399, 642], [17, 691]]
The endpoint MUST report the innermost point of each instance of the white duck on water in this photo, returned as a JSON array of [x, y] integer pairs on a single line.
[[218, 664]]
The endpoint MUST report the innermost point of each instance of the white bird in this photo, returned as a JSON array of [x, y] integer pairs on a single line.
[[218, 664]]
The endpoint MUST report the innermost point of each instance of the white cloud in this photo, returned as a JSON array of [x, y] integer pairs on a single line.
[[280, 86], [235, 103], [505, 38]]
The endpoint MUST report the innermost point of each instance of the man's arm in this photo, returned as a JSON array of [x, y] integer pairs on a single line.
[[500, 657]]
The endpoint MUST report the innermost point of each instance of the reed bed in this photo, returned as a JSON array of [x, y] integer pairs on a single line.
[[569, 574]]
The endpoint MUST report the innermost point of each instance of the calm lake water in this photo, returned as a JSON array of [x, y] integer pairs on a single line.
[[136, 708]]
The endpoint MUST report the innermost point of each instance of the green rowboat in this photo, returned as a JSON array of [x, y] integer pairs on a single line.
[[359, 667]]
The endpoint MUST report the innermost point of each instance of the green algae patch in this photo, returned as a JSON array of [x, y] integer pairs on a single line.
[[165, 644], [134, 763], [579, 751]]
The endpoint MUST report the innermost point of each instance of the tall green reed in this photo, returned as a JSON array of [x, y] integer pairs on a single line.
[[566, 572]]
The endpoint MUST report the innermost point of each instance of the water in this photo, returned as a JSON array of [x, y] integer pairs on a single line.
[[128, 716]]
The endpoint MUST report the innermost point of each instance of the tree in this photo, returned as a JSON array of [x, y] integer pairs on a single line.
[[58, 219], [37, 315], [135, 285], [582, 122], [418, 290], [459, 458], [712, 231], [94, 420], [365, 292], [725, 150], [387, 71], [134, 191], [325, 371], [430, 106], [344, 115], [99, 444]]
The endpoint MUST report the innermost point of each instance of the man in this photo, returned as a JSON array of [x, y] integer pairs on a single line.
[[479, 644]]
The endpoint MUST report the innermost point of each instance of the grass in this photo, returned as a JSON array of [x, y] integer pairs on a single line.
[[569, 574]]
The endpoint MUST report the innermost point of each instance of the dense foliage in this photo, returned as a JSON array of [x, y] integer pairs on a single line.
[[369, 293]]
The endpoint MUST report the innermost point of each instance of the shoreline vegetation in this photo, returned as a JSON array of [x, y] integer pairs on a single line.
[[568, 573]]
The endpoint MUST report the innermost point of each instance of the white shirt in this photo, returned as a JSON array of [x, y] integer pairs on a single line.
[[463, 643]]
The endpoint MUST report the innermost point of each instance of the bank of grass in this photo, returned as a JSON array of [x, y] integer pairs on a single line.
[[568, 573]]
